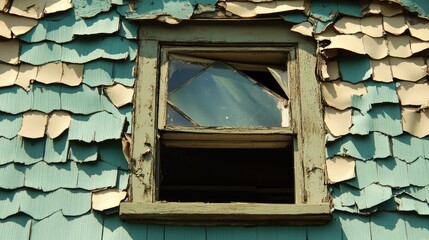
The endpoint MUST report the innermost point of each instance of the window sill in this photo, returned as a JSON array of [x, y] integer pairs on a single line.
[[226, 213]]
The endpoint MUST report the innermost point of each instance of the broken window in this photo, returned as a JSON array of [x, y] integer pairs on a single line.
[[219, 126], [232, 96]]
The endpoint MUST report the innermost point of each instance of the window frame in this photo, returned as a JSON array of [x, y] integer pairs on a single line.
[[312, 203]]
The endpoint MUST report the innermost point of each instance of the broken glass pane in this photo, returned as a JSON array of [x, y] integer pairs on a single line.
[[174, 118], [180, 72], [222, 96]]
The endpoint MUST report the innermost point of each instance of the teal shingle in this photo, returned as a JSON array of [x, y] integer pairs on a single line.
[[419, 193], [63, 28], [294, 17], [111, 152], [40, 53], [12, 176], [351, 8], [418, 172], [128, 29], [123, 73], [123, 178], [231, 233], [46, 98], [56, 149], [83, 152], [126, 111], [366, 174], [96, 175], [15, 227], [88, 9], [329, 231], [366, 198], [407, 203], [98, 73], [282, 232], [97, 127], [9, 125], [356, 68], [184, 233], [29, 151], [417, 227], [40, 205], [409, 148], [155, 232], [354, 227], [15, 100], [56, 226], [374, 145], [388, 171], [376, 93], [388, 226], [384, 118], [324, 10], [115, 228], [419, 6], [49, 177]]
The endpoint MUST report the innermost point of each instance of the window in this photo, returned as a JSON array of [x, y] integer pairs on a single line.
[[227, 126]]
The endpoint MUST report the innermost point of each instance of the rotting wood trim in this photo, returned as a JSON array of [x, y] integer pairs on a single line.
[[226, 213]]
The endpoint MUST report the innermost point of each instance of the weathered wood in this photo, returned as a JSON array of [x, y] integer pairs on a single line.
[[144, 129], [226, 213]]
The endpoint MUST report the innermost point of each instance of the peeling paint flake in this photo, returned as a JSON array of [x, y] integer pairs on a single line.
[[381, 70], [371, 26], [395, 25], [399, 46], [414, 93], [420, 30], [33, 124], [338, 122], [11, 26], [339, 94], [30, 9], [119, 94], [376, 48], [250, 9], [53, 6], [72, 74], [50, 73], [58, 122], [8, 74], [107, 199], [377, 93], [415, 122], [352, 43], [340, 168], [410, 69], [9, 51], [304, 28], [348, 25]]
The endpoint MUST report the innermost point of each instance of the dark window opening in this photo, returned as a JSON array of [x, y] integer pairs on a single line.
[[220, 175]]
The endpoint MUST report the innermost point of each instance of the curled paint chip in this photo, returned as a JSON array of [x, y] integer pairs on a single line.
[[72, 74], [58, 122], [9, 51], [371, 26], [107, 199], [339, 94], [340, 168], [376, 48], [304, 28], [399, 46], [410, 69], [338, 122], [395, 25], [119, 94], [381, 70], [250, 9], [415, 94], [8, 74], [33, 124], [348, 25], [415, 121], [11, 25], [352, 43], [53, 6], [420, 30]]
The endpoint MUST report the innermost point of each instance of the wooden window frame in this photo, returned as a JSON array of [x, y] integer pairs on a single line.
[[312, 203]]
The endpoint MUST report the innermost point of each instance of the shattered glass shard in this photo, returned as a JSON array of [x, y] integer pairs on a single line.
[[222, 96]]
